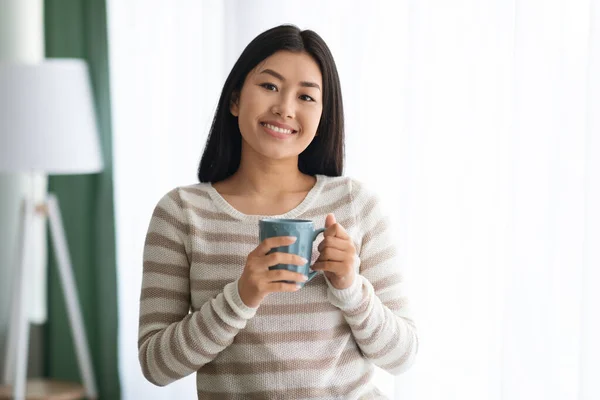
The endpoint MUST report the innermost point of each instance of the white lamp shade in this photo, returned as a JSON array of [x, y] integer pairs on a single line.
[[47, 118]]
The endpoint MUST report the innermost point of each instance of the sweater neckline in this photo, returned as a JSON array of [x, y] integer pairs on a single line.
[[226, 207]]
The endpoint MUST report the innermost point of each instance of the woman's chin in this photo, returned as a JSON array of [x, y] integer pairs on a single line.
[[271, 153]]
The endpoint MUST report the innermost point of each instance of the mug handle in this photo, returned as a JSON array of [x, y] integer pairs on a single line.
[[317, 232]]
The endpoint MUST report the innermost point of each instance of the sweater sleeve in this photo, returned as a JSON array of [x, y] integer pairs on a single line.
[[376, 306], [173, 342]]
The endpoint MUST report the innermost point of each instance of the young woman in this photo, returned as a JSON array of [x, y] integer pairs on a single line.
[[210, 304]]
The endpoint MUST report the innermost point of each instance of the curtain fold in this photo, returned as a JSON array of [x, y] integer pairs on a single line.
[[77, 29], [589, 347]]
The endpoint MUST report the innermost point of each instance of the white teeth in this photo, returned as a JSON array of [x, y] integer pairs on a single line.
[[277, 129]]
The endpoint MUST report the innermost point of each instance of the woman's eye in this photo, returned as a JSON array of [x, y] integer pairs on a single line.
[[306, 97], [269, 86]]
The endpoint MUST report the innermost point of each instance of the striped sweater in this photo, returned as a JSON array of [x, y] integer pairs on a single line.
[[316, 343]]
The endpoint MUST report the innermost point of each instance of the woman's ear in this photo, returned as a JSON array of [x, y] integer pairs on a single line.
[[234, 105]]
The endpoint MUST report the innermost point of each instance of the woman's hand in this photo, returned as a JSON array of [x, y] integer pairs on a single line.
[[257, 281], [337, 255]]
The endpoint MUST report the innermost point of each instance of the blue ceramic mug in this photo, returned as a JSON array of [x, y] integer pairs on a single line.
[[305, 233]]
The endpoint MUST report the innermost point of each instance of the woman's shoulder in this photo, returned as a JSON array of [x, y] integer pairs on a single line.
[[346, 185], [201, 189], [181, 196]]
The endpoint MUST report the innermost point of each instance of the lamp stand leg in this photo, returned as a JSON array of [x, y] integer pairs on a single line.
[[15, 300], [71, 299], [17, 346]]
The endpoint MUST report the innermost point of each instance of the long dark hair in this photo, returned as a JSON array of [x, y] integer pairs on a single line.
[[325, 154]]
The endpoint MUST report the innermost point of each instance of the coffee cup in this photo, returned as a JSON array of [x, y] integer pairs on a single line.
[[305, 233]]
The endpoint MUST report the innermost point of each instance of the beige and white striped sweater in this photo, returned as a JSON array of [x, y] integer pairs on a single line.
[[316, 343]]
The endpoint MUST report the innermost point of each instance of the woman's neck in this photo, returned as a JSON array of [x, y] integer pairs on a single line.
[[263, 177], [270, 181]]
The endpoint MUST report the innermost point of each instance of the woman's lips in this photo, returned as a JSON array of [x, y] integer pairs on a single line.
[[277, 124], [277, 132]]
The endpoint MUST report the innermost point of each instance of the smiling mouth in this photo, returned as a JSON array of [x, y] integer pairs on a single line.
[[278, 129]]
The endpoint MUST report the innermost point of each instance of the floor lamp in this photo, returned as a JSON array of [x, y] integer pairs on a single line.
[[47, 125]]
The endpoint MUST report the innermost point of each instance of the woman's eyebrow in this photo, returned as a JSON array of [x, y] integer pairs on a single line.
[[281, 78]]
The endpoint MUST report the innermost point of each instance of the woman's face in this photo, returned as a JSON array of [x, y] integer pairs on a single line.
[[280, 105]]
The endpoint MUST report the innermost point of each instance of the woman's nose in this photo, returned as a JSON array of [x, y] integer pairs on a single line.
[[284, 107]]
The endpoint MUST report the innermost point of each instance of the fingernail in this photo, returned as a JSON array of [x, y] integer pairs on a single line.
[[304, 278], [304, 260], [298, 286]]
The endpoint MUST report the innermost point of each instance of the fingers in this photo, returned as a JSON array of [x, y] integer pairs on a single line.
[[282, 280], [339, 267], [257, 281], [336, 230], [329, 220], [336, 243], [337, 251], [331, 254], [336, 267], [283, 258], [285, 275], [282, 287], [270, 243]]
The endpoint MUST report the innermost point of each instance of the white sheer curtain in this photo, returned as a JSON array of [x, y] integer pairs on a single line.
[[503, 124], [477, 122], [166, 66]]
